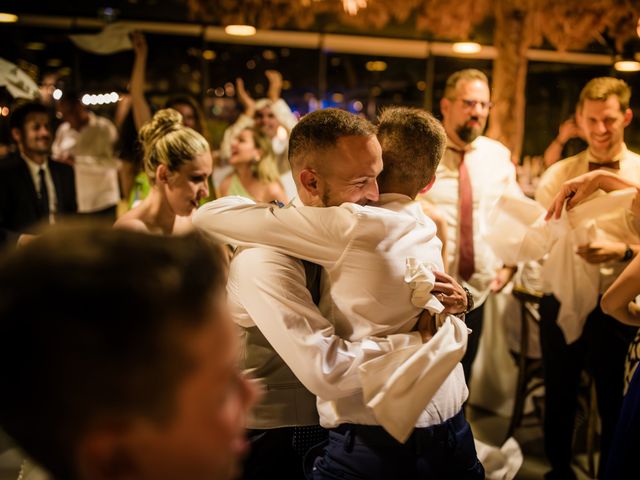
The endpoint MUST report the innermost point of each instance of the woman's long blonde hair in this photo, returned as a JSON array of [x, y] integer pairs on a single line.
[[266, 169], [166, 141]]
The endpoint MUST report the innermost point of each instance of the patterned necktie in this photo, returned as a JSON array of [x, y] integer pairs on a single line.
[[43, 195], [613, 165], [466, 265]]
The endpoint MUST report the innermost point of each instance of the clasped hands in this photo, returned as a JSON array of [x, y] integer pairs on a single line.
[[452, 296]]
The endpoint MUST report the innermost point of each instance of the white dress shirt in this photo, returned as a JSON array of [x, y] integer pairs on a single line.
[[364, 251], [618, 225], [491, 173], [96, 169], [518, 232], [34, 170]]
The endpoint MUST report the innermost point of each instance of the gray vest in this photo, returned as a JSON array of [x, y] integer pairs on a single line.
[[286, 402]]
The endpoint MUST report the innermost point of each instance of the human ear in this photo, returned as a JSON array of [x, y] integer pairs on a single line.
[[628, 116], [162, 173], [309, 181], [103, 454], [444, 105], [16, 134], [429, 185]]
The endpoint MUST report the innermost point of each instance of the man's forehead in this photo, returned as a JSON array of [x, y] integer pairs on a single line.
[[264, 111], [473, 85], [37, 118], [357, 156], [595, 105]]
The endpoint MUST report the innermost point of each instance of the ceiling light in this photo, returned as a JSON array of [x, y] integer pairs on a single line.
[[240, 30], [35, 46], [8, 18], [376, 66], [627, 66], [209, 55], [466, 47]]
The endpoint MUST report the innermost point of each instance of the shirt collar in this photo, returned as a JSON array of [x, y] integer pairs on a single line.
[[392, 197], [622, 154], [468, 147], [33, 166]]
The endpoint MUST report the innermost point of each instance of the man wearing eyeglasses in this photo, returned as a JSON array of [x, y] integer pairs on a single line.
[[474, 171]]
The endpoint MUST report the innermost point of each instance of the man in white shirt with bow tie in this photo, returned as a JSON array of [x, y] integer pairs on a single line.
[[601, 343]]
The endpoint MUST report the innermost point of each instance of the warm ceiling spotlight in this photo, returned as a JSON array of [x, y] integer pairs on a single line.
[[376, 66], [627, 66], [35, 46], [240, 30], [466, 47], [8, 18]]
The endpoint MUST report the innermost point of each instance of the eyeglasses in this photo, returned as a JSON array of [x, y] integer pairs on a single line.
[[471, 104]]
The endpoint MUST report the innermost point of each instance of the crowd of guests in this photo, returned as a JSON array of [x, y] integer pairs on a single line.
[[359, 305]]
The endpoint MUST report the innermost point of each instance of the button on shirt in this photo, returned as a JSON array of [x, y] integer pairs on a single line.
[[619, 226], [34, 170], [491, 173], [364, 252]]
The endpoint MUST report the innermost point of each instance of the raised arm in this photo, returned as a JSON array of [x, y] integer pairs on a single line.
[[139, 106], [245, 120], [319, 235], [280, 109], [276, 299], [568, 130], [580, 188]]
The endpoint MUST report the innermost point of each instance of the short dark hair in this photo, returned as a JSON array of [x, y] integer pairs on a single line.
[[321, 130], [413, 143], [21, 112], [466, 75], [92, 323]]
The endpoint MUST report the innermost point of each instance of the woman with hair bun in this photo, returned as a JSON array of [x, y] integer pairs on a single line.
[[177, 161], [255, 171]]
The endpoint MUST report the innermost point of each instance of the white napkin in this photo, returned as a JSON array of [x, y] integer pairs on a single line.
[[516, 231], [398, 396], [113, 38], [500, 463], [16, 81]]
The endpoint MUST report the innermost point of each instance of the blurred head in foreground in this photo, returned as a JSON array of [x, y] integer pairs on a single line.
[[118, 357]]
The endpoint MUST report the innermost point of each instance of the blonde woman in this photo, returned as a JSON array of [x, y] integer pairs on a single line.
[[255, 172], [178, 162]]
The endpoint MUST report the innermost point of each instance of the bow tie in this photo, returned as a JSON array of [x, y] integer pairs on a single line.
[[613, 165]]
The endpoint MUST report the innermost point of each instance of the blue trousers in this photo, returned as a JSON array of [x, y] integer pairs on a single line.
[[444, 451]]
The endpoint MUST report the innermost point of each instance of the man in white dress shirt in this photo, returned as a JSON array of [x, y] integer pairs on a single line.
[[86, 141], [364, 251], [602, 342], [474, 171]]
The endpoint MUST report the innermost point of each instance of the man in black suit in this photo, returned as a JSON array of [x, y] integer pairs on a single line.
[[33, 189]]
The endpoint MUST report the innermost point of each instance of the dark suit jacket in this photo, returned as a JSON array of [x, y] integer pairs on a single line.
[[19, 199]]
